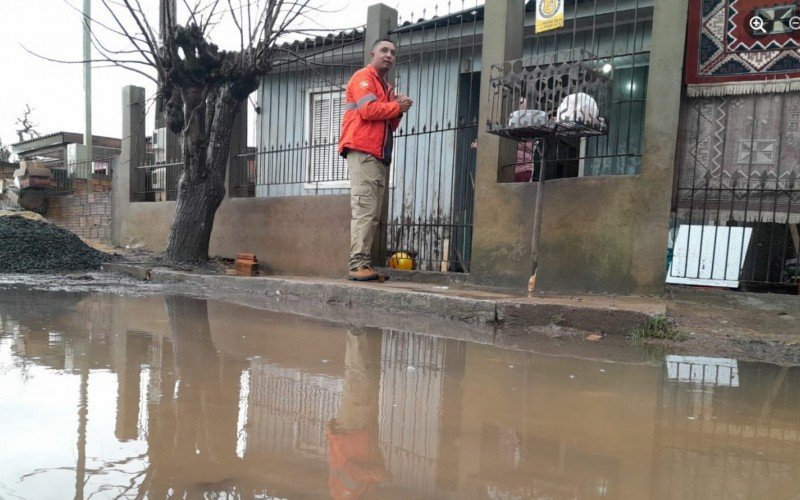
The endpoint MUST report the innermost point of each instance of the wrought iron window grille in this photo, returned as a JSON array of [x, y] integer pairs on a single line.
[[563, 94]]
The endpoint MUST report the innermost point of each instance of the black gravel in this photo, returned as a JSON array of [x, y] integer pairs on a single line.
[[28, 246]]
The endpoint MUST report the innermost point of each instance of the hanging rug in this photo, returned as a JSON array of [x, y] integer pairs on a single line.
[[728, 52]]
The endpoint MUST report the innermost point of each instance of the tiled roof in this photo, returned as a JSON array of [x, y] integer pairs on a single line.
[[329, 39], [466, 15]]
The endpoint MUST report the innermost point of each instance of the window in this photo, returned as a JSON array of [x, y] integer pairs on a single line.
[[160, 145], [326, 167]]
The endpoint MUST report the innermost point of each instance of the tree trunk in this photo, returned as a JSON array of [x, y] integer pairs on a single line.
[[201, 186]]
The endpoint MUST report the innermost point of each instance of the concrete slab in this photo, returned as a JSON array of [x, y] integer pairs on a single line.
[[405, 300]]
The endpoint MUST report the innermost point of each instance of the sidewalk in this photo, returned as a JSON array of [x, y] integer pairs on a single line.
[[764, 327], [597, 314]]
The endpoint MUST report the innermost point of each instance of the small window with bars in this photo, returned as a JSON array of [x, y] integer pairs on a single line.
[[326, 168]]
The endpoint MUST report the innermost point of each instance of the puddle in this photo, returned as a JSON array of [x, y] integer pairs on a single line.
[[112, 396]]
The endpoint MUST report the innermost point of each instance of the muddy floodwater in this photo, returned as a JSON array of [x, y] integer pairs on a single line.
[[108, 396]]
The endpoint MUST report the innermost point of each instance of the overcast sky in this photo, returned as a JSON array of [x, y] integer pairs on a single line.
[[53, 28]]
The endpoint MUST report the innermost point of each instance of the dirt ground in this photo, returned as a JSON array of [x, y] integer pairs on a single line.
[[754, 326]]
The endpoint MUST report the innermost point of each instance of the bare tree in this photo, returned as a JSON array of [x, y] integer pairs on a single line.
[[28, 127], [5, 153], [202, 87]]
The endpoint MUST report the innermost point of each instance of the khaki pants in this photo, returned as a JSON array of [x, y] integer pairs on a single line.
[[367, 186]]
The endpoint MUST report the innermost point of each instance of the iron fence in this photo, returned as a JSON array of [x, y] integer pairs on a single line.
[[289, 410], [732, 424], [64, 175], [432, 185], [158, 182], [617, 35], [736, 201], [300, 104]]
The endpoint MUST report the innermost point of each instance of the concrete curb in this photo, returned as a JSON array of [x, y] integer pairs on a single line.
[[492, 311]]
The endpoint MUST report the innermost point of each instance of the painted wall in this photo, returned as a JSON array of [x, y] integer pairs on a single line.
[[602, 234], [301, 236]]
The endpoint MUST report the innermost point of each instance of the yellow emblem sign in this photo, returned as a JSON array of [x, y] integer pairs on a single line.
[[549, 15]]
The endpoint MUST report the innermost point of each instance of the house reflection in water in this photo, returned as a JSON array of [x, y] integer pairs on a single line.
[[216, 398]]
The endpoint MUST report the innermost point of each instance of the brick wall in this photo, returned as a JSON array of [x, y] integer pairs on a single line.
[[86, 212]]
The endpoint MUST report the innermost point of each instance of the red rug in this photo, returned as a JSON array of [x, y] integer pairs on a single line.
[[729, 53]]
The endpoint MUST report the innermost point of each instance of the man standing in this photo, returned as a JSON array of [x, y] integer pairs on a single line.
[[372, 114]]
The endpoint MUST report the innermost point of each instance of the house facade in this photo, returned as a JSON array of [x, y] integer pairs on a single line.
[[431, 201], [613, 204]]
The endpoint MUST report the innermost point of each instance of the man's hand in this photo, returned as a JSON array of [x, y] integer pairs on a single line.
[[404, 101]]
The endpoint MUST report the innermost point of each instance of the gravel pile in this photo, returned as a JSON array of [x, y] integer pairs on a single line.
[[29, 246]]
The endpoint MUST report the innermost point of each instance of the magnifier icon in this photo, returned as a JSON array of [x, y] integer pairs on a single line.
[[757, 24]]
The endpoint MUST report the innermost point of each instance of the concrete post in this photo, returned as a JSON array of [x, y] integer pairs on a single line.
[[238, 146], [500, 248], [127, 178], [662, 117], [502, 41], [81, 156], [381, 20]]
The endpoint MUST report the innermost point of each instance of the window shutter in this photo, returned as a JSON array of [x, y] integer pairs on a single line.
[[338, 164], [319, 137], [326, 119]]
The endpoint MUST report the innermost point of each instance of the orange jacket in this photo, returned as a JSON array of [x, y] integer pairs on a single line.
[[355, 463], [370, 117]]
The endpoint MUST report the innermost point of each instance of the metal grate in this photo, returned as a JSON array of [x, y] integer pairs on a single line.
[[63, 175], [432, 183], [736, 200], [300, 110], [732, 425], [158, 182], [563, 94], [613, 32]]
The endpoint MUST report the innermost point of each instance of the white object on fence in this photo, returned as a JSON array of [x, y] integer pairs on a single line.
[[720, 372], [526, 118], [709, 255], [580, 107]]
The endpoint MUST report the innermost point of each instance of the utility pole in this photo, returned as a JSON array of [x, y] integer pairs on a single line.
[[87, 76]]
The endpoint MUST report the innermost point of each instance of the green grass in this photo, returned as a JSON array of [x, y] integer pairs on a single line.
[[557, 319], [658, 327]]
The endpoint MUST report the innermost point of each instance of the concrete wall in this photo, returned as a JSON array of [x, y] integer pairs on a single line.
[[599, 234], [303, 235], [86, 212]]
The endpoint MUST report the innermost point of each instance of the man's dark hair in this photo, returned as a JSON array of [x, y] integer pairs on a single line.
[[379, 40]]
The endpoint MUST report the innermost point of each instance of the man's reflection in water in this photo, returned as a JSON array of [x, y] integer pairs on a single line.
[[354, 456]]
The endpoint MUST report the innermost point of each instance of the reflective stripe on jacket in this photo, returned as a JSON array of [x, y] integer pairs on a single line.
[[370, 115]]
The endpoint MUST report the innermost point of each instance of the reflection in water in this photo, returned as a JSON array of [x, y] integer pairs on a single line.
[[354, 455], [159, 397]]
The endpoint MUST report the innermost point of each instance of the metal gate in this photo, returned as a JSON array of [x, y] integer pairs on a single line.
[[736, 203], [431, 190]]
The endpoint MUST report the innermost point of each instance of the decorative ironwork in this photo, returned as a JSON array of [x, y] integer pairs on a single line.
[[564, 94]]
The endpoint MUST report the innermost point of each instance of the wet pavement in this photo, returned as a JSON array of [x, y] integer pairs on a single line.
[[105, 395]]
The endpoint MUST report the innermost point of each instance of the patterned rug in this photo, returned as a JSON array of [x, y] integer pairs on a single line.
[[729, 53]]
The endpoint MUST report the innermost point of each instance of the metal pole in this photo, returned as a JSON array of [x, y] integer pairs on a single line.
[[87, 77], [83, 414], [537, 220]]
